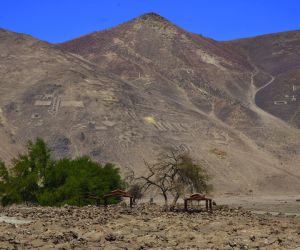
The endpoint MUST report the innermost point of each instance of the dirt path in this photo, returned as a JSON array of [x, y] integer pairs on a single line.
[[266, 85], [252, 95]]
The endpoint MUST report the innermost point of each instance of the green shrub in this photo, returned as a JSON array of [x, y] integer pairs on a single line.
[[36, 178]]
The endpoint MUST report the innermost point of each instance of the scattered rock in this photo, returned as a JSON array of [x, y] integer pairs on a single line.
[[146, 227], [110, 237]]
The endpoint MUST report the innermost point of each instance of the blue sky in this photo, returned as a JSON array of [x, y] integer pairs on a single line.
[[61, 20]]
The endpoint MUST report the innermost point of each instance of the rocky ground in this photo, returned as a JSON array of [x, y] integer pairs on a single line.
[[145, 227]]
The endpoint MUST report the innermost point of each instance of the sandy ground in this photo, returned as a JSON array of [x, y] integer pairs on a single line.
[[148, 227], [288, 204]]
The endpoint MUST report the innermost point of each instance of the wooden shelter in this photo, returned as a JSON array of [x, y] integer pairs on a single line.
[[118, 193], [199, 197]]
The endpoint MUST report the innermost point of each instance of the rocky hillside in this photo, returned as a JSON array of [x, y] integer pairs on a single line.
[[276, 59], [127, 93]]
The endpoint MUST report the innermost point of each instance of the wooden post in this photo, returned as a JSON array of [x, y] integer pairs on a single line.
[[206, 204], [185, 205], [131, 202], [210, 205]]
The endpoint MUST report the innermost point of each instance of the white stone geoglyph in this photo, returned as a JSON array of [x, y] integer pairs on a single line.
[[75, 104], [42, 103]]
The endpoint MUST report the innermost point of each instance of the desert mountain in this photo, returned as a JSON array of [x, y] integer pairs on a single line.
[[127, 93], [276, 60]]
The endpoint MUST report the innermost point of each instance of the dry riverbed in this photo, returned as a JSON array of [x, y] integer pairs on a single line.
[[144, 227]]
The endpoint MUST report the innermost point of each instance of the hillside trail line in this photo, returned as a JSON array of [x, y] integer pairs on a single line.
[[252, 96]]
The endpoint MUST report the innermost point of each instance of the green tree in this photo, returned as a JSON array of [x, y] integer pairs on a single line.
[[72, 181], [3, 171], [36, 178], [27, 175], [4, 175], [187, 176]]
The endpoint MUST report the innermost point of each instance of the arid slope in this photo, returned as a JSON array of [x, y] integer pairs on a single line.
[[127, 93], [277, 61]]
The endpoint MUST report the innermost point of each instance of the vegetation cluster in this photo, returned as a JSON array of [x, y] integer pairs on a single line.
[[35, 178]]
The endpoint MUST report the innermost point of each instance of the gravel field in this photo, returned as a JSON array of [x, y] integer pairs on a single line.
[[146, 227]]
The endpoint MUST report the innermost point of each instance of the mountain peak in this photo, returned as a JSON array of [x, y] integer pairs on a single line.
[[151, 16]]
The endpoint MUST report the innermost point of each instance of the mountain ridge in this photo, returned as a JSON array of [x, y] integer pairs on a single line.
[[127, 93]]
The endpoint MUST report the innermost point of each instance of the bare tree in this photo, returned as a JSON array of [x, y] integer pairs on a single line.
[[174, 173]]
